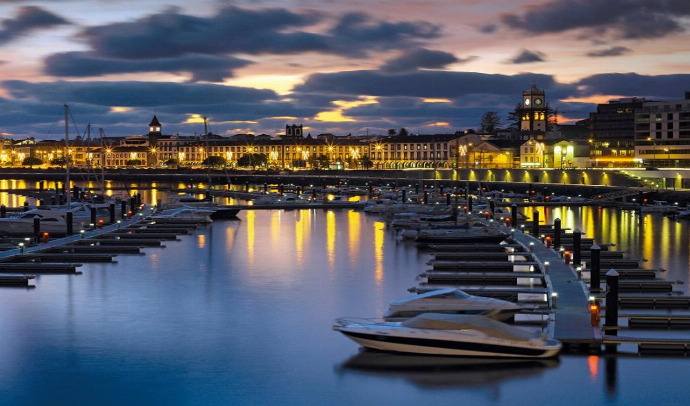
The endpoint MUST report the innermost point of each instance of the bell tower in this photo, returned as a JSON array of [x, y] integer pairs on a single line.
[[533, 112], [155, 126]]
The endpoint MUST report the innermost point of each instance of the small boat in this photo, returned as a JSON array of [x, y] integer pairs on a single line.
[[659, 206], [449, 334], [450, 301], [460, 235], [52, 220], [185, 213]]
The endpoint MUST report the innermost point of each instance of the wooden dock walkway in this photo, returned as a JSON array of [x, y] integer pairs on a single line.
[[572, 317]]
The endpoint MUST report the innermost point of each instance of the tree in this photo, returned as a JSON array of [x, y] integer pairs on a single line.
[[319, 161], [514, 117], [134, 162], [366, 162], [31, 161], [392, 132], [403, 132], [490, 122], [214, 160], [58, 161], [253, 160], [172, 162]]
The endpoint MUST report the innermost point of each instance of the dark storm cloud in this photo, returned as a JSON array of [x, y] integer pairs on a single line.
[[633, 85], [426, 84], [613, 51], [630, 19], [526, 56], [356, 33], [202, 67], [29, 18], [135, 94], [238, 30], [421, 58]]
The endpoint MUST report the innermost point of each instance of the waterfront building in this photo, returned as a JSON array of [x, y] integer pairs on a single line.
[[662, 133], [612, 132]]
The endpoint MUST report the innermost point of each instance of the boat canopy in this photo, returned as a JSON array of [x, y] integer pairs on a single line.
[[490, 327], [439, 293]]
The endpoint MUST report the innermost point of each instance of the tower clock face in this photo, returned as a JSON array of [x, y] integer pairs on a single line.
[[526, 102], [537, 102]]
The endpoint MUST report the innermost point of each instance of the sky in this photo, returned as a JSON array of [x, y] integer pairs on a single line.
[[342, 67]]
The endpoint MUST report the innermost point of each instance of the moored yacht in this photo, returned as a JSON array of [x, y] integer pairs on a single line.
[[444, 334], [450, 301]]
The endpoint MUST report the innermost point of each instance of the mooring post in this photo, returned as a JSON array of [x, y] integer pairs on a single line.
[[3, 211], [37, 228], [595, 269], [441, 189], [404, 195], [111, 210], [535, 223], [26, 206], [492, 206], [133, 204], [123, 208], [612, 305], [70, 223], [93, 215], [513, 214], [426, 197], [447, 199], [557, 233], [577, 247]]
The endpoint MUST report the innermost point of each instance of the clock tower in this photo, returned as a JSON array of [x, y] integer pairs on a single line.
[[533, 112]]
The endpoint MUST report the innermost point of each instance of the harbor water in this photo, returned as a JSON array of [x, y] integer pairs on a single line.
[[240, 313]]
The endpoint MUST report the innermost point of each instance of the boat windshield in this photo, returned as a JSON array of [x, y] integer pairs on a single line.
[[493, 328]]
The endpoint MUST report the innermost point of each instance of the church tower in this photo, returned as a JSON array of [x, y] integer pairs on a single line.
[[294, 131], [533, 113], [155, 127]]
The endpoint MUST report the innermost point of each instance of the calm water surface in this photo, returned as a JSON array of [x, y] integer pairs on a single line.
[[240, 312]]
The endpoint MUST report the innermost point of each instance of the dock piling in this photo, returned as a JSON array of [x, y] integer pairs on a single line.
[[577, 247], [3, 211], [612, 305], [111, 210], [535, 223], [513, 213], [70, 223], [557, 233], [595, 269], [123, 208]]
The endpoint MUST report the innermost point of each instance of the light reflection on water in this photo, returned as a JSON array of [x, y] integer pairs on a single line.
[[241, 312]]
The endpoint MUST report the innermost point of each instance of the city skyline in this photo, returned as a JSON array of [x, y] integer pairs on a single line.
[[339, 68]]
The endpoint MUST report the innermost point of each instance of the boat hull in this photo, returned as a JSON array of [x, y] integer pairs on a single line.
[[464, 348]]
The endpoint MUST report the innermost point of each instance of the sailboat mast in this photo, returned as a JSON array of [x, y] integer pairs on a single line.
[[208, 157], [103, 152], [68, 194]]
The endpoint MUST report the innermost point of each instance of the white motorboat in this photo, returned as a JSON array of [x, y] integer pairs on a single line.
[[459, 235], [51, 220], [450, 301], [185, 213], [659, 206], [445, 334]]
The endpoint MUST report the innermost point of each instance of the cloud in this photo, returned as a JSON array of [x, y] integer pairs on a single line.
[[261, 31], [135, 94], [667, 87], [527, 57], [425, 84], [613, 51], [29, 19], [629, 19], [202, 67], [421, 58]]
